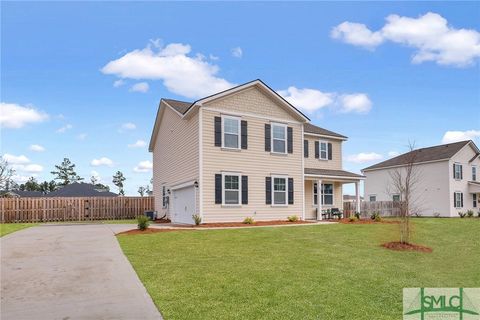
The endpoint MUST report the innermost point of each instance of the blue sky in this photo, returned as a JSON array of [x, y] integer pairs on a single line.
[[380, 73]]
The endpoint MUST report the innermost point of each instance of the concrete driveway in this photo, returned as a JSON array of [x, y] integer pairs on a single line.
[[70, 272]]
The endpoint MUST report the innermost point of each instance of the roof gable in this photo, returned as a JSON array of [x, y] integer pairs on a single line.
[[435, 153], [310, 128]]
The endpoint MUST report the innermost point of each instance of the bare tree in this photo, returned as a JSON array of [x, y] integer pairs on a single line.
[[6, 174], [403, 181], [142, 190]]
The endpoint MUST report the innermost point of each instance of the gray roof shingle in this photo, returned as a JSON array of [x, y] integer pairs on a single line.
[[444, 151], [310, 128], [335, 173], [80, 190], [179, 106]]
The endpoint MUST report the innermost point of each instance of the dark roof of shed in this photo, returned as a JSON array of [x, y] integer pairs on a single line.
[[440, 152]]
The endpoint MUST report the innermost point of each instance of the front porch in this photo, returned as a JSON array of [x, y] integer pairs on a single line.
[[330, 195]]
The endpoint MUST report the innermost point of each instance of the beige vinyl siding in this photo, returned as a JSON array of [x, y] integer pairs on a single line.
[[175, 153], [310, 212], [312, 162], [254, 162]]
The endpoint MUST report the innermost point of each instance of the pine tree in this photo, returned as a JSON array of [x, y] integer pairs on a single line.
[[66, 173], [118, 180]]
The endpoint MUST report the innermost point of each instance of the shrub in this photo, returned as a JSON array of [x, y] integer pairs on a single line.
[[462, 215], [357, 215], [378, 218], [292, 218], [470, 213], [248, 220], [143, 222], [353, 218], [375, 215], [436, 214], [478, 213], [197, 219]]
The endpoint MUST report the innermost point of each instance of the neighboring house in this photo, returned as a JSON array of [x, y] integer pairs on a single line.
[[448, 179], [350, 198], [23, 194], [80, 190], [244, 152]]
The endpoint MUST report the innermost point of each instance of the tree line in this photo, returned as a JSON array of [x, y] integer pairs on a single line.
[[64, 174]]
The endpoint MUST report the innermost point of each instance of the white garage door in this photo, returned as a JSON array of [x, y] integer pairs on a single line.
[[183, 205]]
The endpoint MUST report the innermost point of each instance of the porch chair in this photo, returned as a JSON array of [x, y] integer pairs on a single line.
[[326, 214], [336, 212]]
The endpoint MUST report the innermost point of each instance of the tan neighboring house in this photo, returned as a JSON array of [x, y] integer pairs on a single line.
[[244, 152], [448, 183]]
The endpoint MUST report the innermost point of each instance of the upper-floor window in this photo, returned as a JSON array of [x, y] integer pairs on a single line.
[[231, 132], [323, 150], [279, 190], [231, 189], [396, 197], [279, 138], [373, 198], [474, 173], [457, 171]]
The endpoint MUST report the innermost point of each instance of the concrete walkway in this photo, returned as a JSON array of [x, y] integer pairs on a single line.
[[70, 272]]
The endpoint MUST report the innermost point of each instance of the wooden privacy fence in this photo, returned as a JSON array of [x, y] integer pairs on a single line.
[[73, 208], [385, 208]]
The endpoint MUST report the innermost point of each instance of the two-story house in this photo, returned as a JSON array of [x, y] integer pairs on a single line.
[[244, 152], [447, 179]]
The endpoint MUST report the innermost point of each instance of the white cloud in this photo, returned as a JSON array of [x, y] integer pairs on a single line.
[[95, 174], [118, 83], [143, 166], [32, 168], [311, 100], [182, 73], [129, 126], [213, 57], [430, 35], [306, 99], [392, 154], [138, 144], [363, 157], [103, 161], [18, 178], [357, 102], [16, 116], [454, 136], [12, 159], [81, 136], [237, 52], [37, 148], [140, 87], [64, 128]]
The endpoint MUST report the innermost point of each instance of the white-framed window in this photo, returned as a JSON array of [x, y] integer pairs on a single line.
[[326, 194], [372, 198], [458, 200], [279, 138], [279, 190], [164, 197], [474, 173], [474, 200], [231, 132], [396, 198], [231, 183], [323, 150], [457, 171]]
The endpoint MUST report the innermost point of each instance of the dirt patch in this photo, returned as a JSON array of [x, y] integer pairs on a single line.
[[240, 224], [162, 221], [366, 221], [398, 246], [148, 231]]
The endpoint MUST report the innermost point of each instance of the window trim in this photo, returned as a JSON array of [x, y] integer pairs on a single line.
[[370, 197], [236, 174], [320, 142], [239, 131], [458, 165], [273, 191], [395, 195], [474, 175], [458, 193], [273, 124], [322, 195]]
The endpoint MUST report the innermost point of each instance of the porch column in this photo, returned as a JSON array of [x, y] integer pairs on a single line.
[[357, 196], [319, 199]]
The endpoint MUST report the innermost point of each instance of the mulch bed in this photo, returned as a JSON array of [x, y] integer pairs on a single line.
[[240, 224], [148, 231], [398, 246], [162, 221], [365, 221]]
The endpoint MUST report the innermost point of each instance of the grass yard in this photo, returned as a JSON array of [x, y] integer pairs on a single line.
[[6, 228], [309, 272]]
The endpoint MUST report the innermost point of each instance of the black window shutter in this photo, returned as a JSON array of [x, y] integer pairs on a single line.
[[289, 139], [461, 200], [461, 172], [218, 131], [244, 134], [454, 171], [454, 200], [218, 189], [244, 189], [290, 191], [268, 139], [317, 150], [305, 148], [329, 151], [268, 190]]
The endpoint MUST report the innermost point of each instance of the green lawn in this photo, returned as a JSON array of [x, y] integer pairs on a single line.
[[310, 272], [6, 228]]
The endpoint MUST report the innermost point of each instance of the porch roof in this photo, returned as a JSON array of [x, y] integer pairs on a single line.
[[329, 173], [474, 186]]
